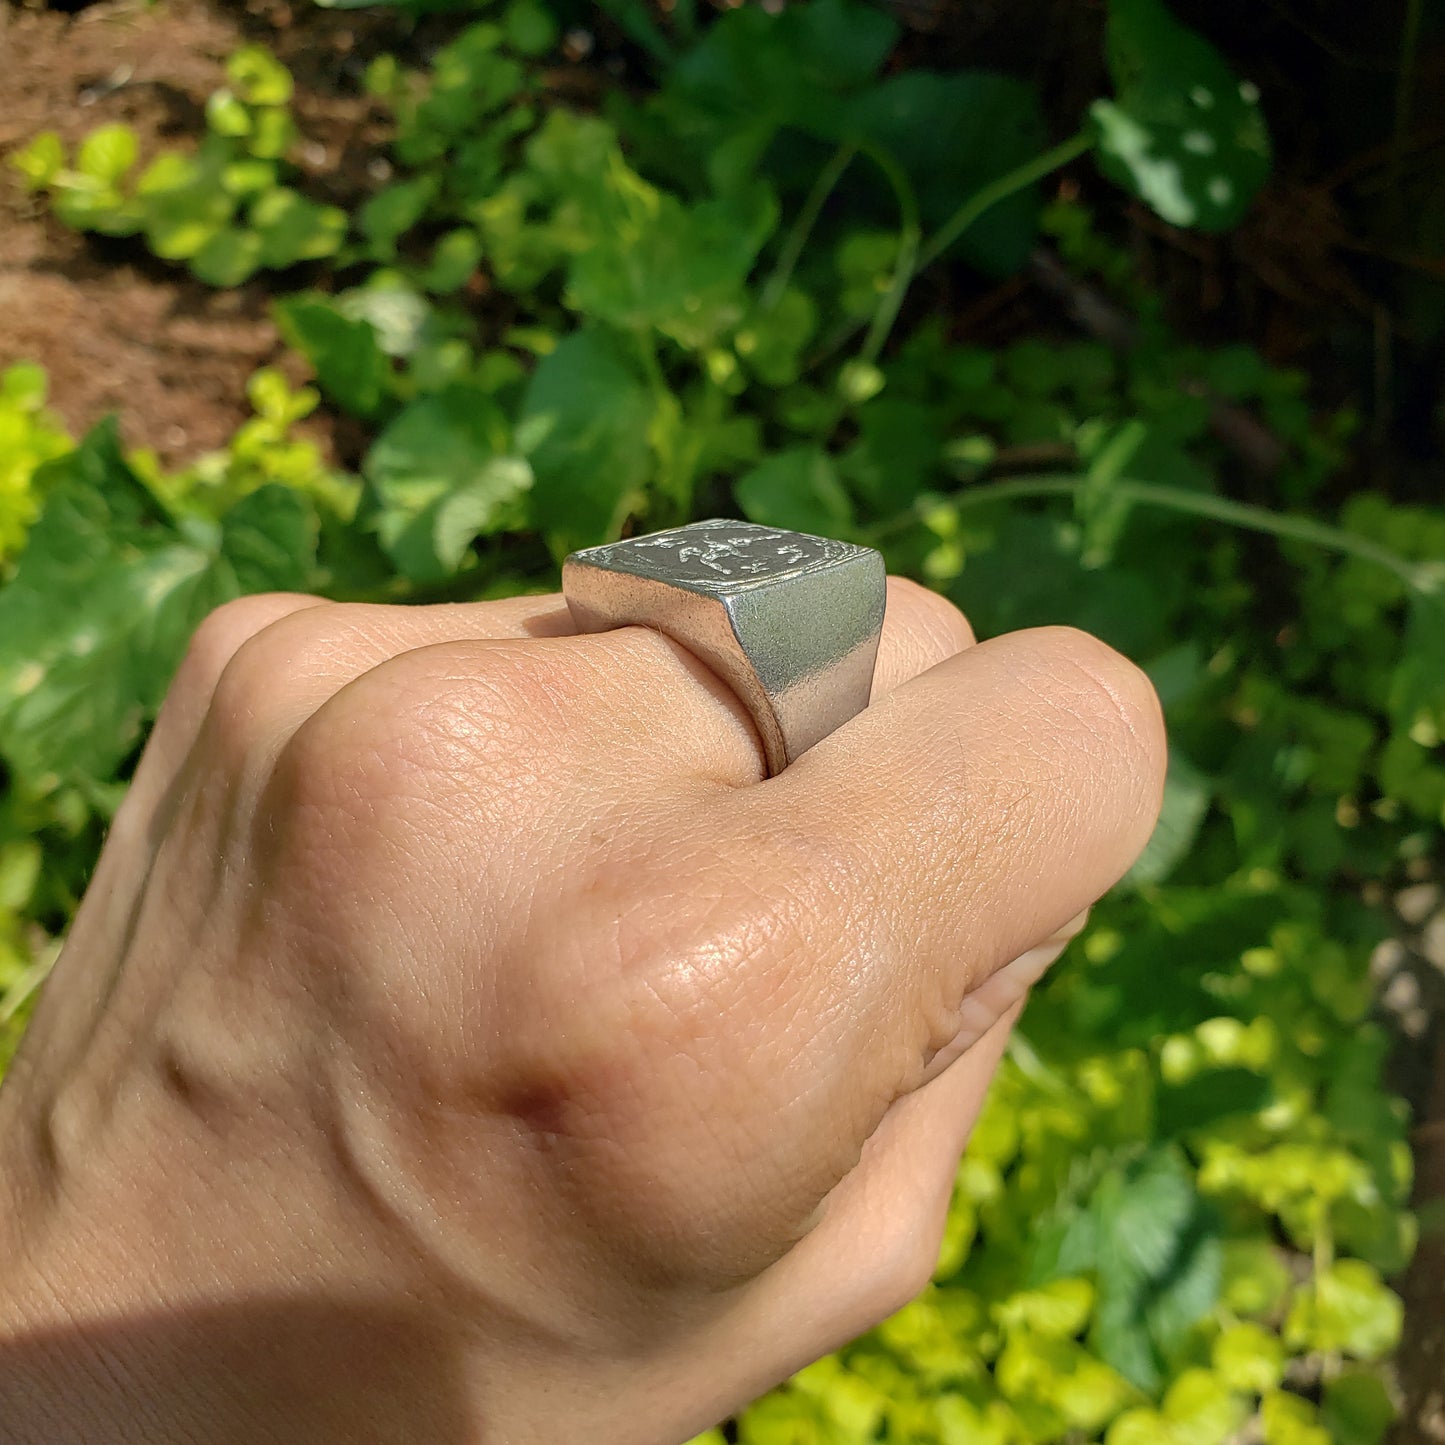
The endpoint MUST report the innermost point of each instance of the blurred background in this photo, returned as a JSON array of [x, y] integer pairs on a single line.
[[1121, 313]]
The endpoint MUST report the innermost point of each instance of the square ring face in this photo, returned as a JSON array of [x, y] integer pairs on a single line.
[[720, 557]]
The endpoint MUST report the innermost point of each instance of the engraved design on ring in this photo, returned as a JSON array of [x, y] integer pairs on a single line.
[[790, 621]]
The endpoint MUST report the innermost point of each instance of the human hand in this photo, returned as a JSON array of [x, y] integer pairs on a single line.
[[460, 1040]]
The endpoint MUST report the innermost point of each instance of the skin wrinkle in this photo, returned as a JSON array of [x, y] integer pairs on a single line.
[[1095, 688], [641, 1027]]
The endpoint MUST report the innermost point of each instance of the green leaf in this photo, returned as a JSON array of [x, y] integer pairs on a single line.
[[1418, 687], [482, 506], [1049, 1377], [248, 177], [227, 116], [258, 77], [1030, 575], [269, 540], [1184, 134], [1285, 1419], [896, 455], [797, 489], [655, 262], [395, 209], [103, 600], [107, 153], [1144, 1212], [273, 133], [1357, 1409], [771, 341], [229, 257], [1057, 1310], [186, 204], [40, 161], [1138, 1427], [24, 386], [1249, 1358], [292, 228], [528, 27], [586, 416], [470, 79], [1200, 1410], [753, 71], [1187, 794], [953, 134], [1102, 512], [441, 474], [837, 43], [1158, 1261], [106, 211], [1205, 1100], [859, 381], [1255, 1278], [404, 320], [350, 366], [454, 261], [1346, 1307]]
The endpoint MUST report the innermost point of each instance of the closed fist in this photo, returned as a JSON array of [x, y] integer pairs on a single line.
[[462, 1041]]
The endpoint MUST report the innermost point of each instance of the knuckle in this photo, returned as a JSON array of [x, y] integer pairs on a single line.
[[428, 726], [941, 627], [254, 682], [225, 630], [477, 709]]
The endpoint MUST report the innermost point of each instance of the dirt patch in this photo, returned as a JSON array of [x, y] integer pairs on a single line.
[[117, 330]]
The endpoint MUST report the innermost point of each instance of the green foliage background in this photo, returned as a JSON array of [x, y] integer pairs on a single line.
[[1189, 1185]]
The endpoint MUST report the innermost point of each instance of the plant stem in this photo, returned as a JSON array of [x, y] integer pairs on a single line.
[[910, 233], [910, 237], [1404, 101], [651, 361], [1000, 190], [802, 228], [982, 201], [1177, 499]]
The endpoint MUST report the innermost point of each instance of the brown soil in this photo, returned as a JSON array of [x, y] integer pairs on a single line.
[[117, 330]]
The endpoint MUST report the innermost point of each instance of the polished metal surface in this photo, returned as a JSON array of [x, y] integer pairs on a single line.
[[789, 621]]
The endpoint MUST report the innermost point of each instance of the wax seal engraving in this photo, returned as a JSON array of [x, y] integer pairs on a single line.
[[789, 620], [720, 554]]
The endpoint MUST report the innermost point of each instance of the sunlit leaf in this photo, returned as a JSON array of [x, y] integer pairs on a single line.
[[797, 489], [349, 363], [442, 474], [105, 596], [585, 416]]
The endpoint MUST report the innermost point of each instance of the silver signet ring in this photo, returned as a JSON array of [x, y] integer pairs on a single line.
[[789, 621]]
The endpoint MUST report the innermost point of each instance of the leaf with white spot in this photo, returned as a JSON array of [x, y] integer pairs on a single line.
[[1184, 133]]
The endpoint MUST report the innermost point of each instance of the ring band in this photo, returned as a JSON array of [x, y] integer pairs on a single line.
[[789, 621]]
